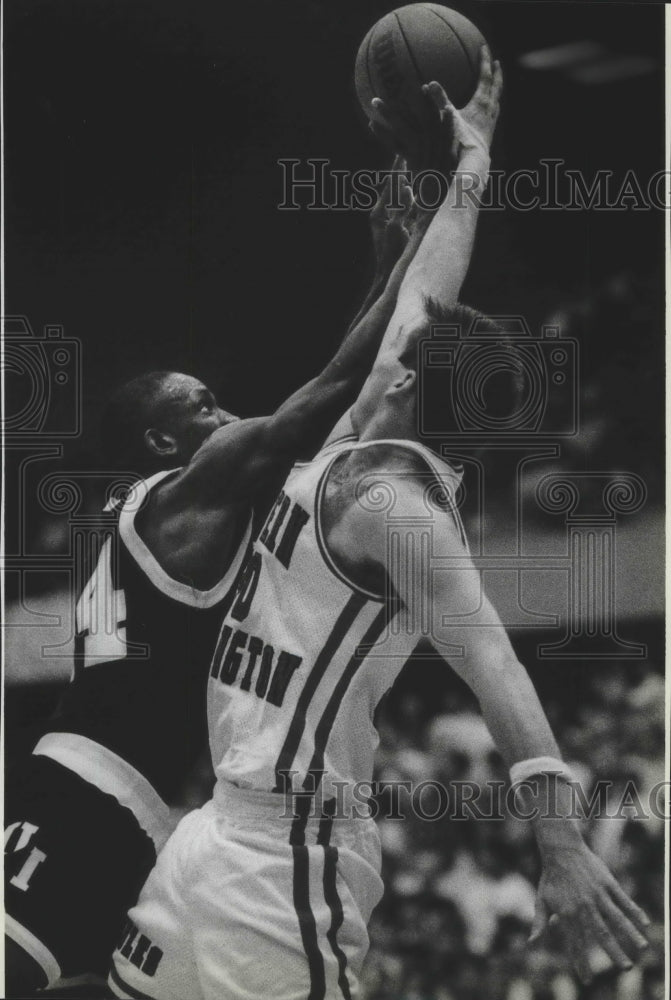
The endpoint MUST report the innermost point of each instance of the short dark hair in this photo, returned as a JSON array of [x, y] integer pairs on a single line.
[[461, 315], [128, 413]]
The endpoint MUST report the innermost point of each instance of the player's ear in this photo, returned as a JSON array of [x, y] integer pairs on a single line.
[[405, 382], [160, 443]]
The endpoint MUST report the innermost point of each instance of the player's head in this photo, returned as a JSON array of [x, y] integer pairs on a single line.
[[388, 405], [158, 421]]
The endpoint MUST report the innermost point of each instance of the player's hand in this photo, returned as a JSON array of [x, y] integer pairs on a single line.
[[437, 144], [423, 146], [396, 218], [472, 127], [579, 893]]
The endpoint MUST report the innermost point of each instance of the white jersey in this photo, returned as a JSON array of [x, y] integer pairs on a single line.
[[305, 655]]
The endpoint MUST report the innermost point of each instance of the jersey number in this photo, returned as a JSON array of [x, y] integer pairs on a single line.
[[22, 878], [101, 615]]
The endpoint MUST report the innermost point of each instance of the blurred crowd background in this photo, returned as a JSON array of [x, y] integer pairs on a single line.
[[459, 900], [141, 194]]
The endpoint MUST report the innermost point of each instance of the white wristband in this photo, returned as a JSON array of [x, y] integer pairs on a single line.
[[525, 769]]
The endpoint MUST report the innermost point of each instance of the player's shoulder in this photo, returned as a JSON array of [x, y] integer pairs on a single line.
[[407, 461], [407, 478], [375, 476]]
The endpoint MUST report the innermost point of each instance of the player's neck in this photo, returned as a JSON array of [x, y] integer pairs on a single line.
[[386, 427]]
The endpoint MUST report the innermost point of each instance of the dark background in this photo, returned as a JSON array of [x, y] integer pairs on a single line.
[[141, 194], [142, 183]]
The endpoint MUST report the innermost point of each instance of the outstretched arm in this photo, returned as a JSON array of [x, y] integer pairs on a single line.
[[576, 888], [439, 267], [397, 233], [392, 221], [240, 459]]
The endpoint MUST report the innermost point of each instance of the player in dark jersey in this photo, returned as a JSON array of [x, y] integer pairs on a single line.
[[86, 813]]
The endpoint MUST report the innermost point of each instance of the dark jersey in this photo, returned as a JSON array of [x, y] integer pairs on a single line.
[[86, 813], [142, 649]]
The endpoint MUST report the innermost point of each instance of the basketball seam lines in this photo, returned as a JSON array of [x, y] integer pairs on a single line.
[[449, 26], [402, 104], [420, 76], [367, 62]]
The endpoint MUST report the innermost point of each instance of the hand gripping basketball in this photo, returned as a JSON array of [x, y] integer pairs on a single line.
[[437, 146]]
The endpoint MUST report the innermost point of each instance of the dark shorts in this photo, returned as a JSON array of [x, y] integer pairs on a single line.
[[75, 861]]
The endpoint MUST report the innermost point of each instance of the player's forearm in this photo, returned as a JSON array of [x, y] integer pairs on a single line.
[[510, 707], [519, 726], [373, 294], [441, 263], [351, 364], [384, 269]]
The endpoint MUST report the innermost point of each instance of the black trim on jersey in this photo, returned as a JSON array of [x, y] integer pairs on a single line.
[[325, 725], [321, 540], [319, 493], [130, 990], [307, 924], [329, 649]]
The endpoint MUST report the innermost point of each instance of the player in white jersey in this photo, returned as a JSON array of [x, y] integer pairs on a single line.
[[86, 811], [266, 891]]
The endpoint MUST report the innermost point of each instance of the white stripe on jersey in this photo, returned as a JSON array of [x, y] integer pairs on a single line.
[[181, 592], [34, 947], [111, 774]]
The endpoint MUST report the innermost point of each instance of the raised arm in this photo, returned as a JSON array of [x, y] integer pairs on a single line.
[[240, 459], [439, 267], [390, 231]]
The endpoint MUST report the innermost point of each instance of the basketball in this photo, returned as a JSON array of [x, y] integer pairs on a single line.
[[412, 46]]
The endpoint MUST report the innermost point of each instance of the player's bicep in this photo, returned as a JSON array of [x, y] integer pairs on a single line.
[[360, 535], [407, 321], [231, 464], [441, 590]]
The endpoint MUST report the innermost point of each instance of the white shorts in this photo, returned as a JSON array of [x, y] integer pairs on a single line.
[[245, 904]]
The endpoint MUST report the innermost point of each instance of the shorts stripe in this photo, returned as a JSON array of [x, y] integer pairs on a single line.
[[307, 923], [33, 947], [337, 916], [326, 822], [122, 989], [303, 806]]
